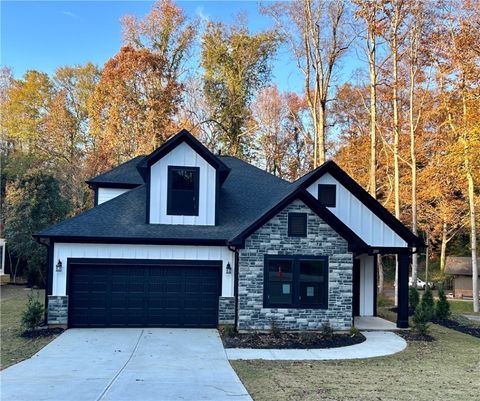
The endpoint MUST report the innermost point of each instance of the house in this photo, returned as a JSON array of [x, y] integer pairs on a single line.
[[460, 267], [186, 238]]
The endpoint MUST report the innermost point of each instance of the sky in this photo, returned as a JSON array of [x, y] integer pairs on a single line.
[[44, 35]]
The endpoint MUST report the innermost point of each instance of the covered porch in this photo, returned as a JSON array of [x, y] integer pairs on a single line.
[[364, 305]]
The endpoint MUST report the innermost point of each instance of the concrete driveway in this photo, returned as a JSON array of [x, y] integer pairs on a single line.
[[126, 364]]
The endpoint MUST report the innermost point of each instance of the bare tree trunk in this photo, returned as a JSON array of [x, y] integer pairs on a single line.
[[380, 274], [413, 160], [396, 132], [443, 246]]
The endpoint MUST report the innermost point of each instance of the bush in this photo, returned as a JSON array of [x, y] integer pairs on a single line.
[[420, 319], [327, 331], [229, 330], [442, 307], [32, 316], [274, 329], [413, 298], [428, 305], [354, 331]]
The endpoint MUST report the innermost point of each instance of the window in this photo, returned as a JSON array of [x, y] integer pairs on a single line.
[[327, 194], [297, 224], [182, 196], [296, 282]]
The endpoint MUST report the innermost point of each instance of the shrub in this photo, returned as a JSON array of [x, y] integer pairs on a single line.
[[274, 329], [229, 330], [307, 338], [354, 331], [327, 331], [442, 307], [33, 314], [420, 319], [427, 302], [413, 298]]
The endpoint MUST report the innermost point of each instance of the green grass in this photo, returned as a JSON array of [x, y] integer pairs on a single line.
[[15, 348], [445, 369], [460, 307]]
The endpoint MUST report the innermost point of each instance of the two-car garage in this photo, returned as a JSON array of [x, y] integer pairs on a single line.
[[143, 293]]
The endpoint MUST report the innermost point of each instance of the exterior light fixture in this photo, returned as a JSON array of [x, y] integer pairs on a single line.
[[229, 268], [58, 267]]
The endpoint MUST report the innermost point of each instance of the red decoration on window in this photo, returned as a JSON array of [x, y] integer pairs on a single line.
[[280, 273]]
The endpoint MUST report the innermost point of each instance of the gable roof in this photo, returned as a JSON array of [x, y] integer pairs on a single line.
[[354, 241], [459, 265], [124, 175], [369, 201], [195, 144]]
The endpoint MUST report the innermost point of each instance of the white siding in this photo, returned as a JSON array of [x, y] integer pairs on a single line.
[[358, 217], [182, 155], [105, 194], [63, 251], [367, 281]]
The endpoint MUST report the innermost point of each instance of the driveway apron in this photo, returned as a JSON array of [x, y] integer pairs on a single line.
[[126, 364]]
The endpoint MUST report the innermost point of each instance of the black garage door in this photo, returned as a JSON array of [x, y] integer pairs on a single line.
[[143, 294]]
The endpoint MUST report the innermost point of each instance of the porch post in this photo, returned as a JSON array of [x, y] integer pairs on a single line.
[[403, 267]]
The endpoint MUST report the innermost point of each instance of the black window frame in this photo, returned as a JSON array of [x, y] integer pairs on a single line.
[[296, 301], [333, 187], [291, 216], [196, 184]]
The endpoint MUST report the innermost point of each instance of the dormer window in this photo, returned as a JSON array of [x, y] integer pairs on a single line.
[[327, 194], [183, 183]]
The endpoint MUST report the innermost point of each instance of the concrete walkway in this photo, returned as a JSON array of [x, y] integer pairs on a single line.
[[126, 365], [371, 323], [378, 343]]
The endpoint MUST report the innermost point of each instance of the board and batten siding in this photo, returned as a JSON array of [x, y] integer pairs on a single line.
[[63, 251], [358, 217], [182, 155], [105, 194]]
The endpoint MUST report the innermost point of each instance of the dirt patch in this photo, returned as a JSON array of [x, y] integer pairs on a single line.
[[306, 340], [42, 332], [412, 336], [464, 327]]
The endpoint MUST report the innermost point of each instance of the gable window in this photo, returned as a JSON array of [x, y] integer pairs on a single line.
[[297, 224], [327, 194], [296, 282], [182, 199]]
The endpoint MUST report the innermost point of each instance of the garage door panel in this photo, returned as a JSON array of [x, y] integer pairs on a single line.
[[142, 295]]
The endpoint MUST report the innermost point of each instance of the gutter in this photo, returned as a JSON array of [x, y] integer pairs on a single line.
[[235, 284]]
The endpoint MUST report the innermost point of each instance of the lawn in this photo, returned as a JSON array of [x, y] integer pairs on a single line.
[[15, 348], [460, 307], [445, 369]]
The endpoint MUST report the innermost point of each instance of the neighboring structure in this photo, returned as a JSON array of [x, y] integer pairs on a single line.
[[185, 238], [4, 278], [460, 267]]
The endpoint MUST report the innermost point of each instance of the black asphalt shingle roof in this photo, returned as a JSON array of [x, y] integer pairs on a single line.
[[246, 193], [124, 174]]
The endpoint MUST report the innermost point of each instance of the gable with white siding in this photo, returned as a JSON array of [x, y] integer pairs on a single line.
[[182, 155], [358, 217]]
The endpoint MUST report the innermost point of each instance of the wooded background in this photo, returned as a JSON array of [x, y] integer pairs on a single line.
[[406, 126]]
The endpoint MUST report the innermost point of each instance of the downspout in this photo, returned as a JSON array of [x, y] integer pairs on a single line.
[[49, 257], [235, 283]]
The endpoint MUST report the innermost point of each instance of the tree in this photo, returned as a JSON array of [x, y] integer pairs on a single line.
[[166, 31], [314, 30], [236, 66], [132, 108], [33, 203]]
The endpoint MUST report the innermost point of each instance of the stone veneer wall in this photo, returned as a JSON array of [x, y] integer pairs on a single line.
[[272, 239], [57, 313], [226, 310]]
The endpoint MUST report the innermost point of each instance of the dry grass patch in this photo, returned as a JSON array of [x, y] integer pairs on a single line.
[[445, 369], [15, 348]]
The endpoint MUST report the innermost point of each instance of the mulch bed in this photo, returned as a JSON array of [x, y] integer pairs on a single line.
[[458, 326], [42, 332], [412, 336], [306, 340]]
